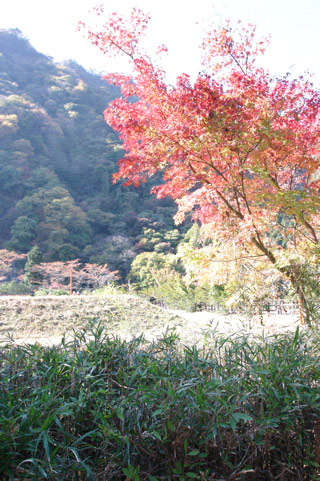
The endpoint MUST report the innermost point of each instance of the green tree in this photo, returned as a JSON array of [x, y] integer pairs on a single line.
[[22, 234], [34, 258], [146, 266]]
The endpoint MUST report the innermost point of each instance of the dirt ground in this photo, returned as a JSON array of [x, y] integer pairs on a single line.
[[47, 319]]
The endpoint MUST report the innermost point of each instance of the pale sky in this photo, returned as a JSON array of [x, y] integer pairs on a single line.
[[294, 26]]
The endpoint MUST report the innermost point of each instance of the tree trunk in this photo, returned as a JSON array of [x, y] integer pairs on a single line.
[[293, 277], [304, 308]]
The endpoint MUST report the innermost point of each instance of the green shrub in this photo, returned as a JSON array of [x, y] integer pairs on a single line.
[[172, 291], [13, 288], [110, 290], [99, 408], [51, 292]]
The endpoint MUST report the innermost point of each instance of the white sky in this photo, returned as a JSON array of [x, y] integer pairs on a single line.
[[294, 26]]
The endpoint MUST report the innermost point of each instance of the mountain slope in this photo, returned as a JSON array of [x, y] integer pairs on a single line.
[[57, 157]]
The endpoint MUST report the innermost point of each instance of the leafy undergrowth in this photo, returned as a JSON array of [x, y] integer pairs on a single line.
[[100, 408]]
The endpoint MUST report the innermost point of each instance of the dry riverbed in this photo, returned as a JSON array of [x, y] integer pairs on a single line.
[[47, 319]]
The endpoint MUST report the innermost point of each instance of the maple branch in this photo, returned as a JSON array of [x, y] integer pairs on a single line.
[[303, 234], [237, 213], [238, 258], [297, 217], [244, 196], [210, 164], [258, 243], [309, 227], [253, 148], [274, 181], [130, 55], [236, 191], [292, 176], [237, 198], [234, 58]]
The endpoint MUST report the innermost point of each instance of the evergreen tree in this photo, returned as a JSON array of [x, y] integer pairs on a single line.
[[34, 258]]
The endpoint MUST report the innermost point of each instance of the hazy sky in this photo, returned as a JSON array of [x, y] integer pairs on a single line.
[[294, 26]]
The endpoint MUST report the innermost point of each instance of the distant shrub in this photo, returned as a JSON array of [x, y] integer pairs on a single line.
[[110, 289], [99, 408], [174, 292], [51, 292], [13, 288]]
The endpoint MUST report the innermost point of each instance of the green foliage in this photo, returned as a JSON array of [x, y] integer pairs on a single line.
[[14, 287], [34, 257], [146, 268], [57, 158], [172, 291], [305, 268], [114, 250], [161, 275], [50, 292], [110, 290], [22, 234], [192, 235], [241, 409], [159, 240]]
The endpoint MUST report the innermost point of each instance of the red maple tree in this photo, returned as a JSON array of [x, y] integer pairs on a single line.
[[56, 275], [238, 147], [7, 259]]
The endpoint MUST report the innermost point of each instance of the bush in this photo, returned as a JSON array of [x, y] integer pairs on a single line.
[[110, 290], [51, 292], [99, 408], [175, 293], [13, 288]]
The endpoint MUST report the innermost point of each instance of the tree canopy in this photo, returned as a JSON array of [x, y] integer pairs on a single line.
[[238, 147]]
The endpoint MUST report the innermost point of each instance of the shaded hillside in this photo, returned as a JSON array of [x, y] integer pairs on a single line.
[[57, 157]]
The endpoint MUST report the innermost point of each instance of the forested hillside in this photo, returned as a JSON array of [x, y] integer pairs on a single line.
[[57, 157]]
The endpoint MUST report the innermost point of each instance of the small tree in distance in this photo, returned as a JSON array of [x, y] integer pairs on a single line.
[[239, 147], [56, 275], [34, 257]]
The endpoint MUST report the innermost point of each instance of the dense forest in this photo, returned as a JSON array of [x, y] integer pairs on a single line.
[[57, 157]]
